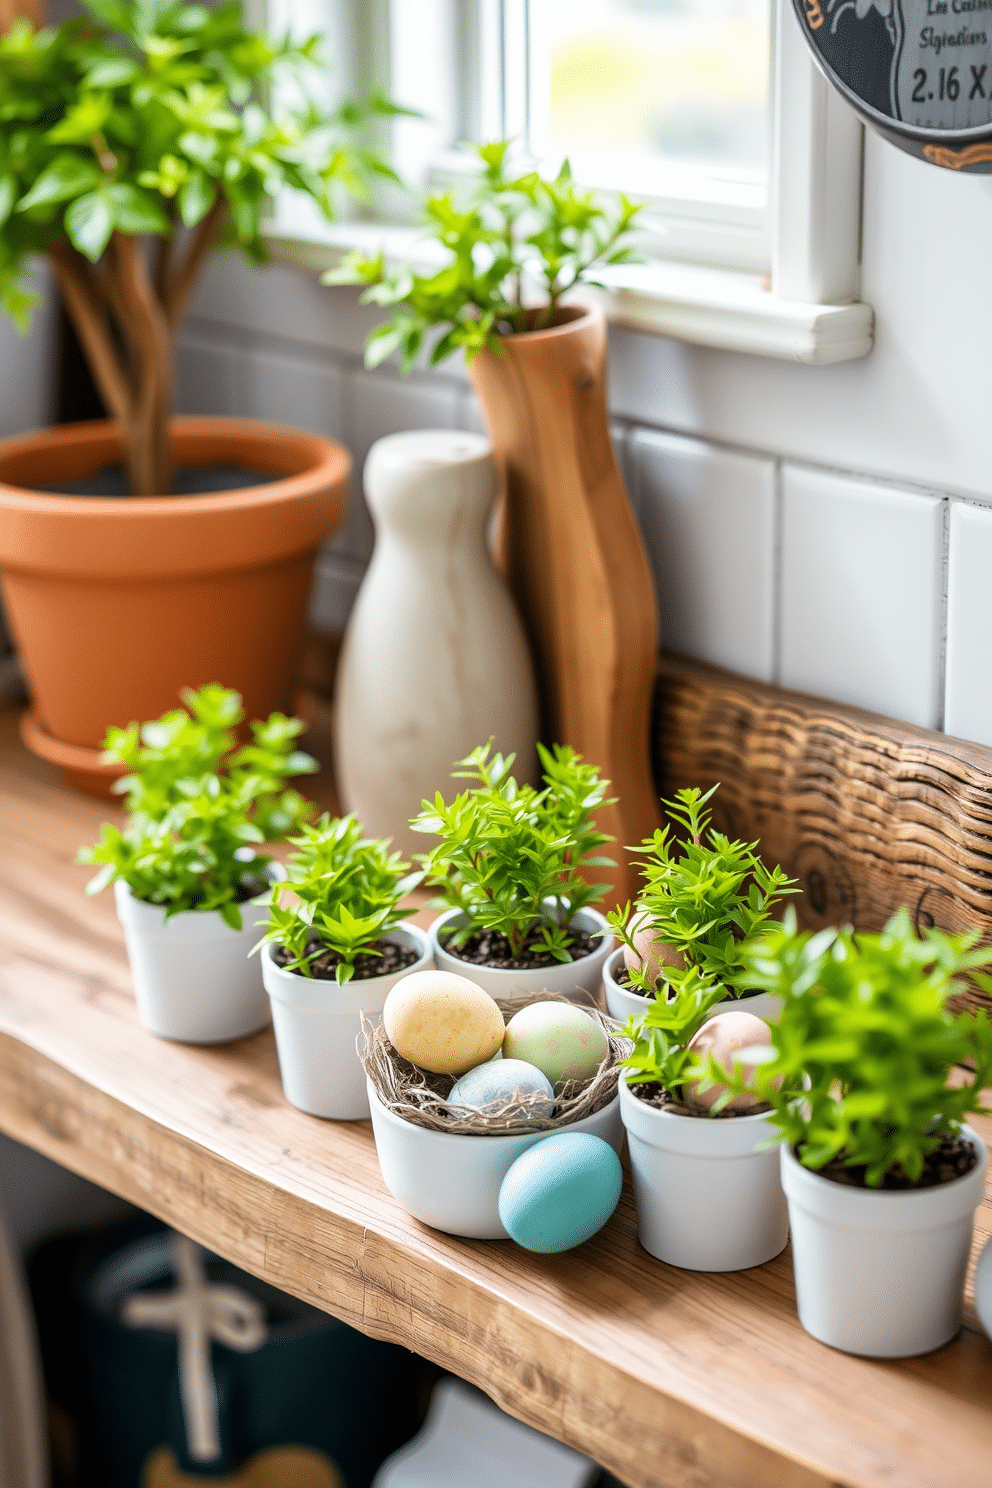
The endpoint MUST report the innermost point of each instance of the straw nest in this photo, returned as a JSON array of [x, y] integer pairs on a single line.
[[421, 1097]]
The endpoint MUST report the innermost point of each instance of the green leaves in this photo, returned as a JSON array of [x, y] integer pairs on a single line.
[[511, 230], [144, 115], [346, 896], [865, 1044], [198, 805], [706, 896], [510, 857]]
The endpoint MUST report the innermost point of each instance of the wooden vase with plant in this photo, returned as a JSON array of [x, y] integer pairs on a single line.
[[515, 869], [189, 876], [134, 139], [516, 246], [330, 954]]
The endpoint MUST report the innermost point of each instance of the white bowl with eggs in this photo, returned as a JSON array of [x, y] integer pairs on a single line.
[[452, 1182], [317, 1024], [623, 1002], [444, 1149], [708, 1195], [570, 979]]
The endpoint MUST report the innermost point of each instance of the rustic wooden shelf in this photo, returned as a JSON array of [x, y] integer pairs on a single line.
[[670, 1379]]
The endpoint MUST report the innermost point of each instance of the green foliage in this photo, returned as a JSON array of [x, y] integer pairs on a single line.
[[661, 1036], [514, 227], [865, 1044], [347, 889], [705, 895], [197, 806], [138, 116], [508, 849]]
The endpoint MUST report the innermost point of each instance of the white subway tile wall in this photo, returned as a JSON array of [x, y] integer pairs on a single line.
[[861, 594], [968, 697], [822, 581], [708, 518]]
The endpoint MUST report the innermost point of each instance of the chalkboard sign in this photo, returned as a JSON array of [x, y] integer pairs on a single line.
[[919, 71]]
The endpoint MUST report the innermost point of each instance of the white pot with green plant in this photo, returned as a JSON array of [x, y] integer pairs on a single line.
[[706, 1179], [510, 869], [881, 1174], [188, 878], [704, 896], [331, 955]]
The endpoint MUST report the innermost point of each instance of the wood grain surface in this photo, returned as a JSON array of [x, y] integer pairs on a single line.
[[671, 1379], [868, 814]]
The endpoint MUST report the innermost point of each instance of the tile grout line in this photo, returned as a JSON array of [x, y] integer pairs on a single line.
[[945, 557], [777, 560]]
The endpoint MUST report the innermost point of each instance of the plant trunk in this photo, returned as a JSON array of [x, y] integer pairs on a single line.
[[146, 425]]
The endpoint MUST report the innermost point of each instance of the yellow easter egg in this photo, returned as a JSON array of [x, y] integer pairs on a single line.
[[442, 1022]]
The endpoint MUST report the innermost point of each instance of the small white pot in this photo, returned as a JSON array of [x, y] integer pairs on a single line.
[[706, 1199], [317, 1024], [568, 979], [193, 979], [881, 1272], [624, 1002], [452, 1182]]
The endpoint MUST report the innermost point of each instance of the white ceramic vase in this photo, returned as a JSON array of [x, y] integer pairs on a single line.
[[452, 1182], [570, 979], [193, 979], [624, 1002], [317, 1025], [881, 1272], [435, 660], [707, 1198]]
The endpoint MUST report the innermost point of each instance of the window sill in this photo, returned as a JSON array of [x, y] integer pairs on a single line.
[[705, 306]]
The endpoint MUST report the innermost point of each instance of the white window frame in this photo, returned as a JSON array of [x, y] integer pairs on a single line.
[[711, 287]]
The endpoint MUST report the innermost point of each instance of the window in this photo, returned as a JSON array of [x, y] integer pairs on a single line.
[[711, 110]]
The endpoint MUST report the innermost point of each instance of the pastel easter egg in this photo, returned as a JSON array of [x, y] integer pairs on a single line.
[[650, 951], [442, 1022], [560, 1192], [721, 1036], [500, 1082], [563, 1040]]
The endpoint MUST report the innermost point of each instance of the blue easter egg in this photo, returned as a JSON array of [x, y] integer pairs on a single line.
[[560, 1192], [498, 1081]]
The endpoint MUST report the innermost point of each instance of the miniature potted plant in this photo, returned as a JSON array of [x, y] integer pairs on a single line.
[[331, 954], [510, 868], [703, 898], [190, 884], [567, 540], [706, 1176], [134, 140], [881, 1175]]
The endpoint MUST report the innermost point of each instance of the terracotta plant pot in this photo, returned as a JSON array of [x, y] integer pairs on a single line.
[[571, 549], [118, 602]]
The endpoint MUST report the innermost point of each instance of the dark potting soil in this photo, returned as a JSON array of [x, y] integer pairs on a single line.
[[393, 958], [190, 480], [622, 979], [492, 948], [660, 1099], [952, 1159]]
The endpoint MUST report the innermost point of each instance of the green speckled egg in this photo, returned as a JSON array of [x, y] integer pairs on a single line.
[[562, 1040]]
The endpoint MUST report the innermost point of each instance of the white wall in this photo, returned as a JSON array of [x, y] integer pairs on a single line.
[[802, 522]]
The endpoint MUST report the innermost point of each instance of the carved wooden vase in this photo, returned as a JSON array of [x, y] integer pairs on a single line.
[[571, 549]]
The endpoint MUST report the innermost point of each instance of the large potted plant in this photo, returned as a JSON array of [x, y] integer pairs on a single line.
[[510, 868], [331, 954], [567, 539], [132, 141], [191, 886], [864, 1076], [702, 899]]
